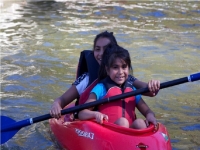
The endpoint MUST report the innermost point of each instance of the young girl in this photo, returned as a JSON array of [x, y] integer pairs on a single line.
[[85, 79], [113, 77]]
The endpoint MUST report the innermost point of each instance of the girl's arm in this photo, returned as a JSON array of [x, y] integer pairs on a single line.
[[153, 86], [89, 114], [147, 112], [71, 94], [62, 101]]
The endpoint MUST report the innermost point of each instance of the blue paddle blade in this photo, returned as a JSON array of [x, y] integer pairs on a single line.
[[6, 135]]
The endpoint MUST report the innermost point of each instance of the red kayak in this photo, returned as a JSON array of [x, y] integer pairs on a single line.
[[89, 135]]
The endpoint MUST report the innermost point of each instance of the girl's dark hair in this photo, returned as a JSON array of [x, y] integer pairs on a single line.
[[108, 35], [111, 53]]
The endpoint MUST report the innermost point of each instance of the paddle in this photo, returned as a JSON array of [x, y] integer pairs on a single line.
[[10, 127]]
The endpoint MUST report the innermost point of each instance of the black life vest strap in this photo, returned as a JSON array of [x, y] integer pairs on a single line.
[[87, 63], [108, 83]]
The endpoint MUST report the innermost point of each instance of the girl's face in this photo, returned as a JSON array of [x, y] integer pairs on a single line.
[[119, 71], [99, 48]]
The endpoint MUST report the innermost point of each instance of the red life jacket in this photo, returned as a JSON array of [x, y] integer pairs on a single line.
[[120, 108]]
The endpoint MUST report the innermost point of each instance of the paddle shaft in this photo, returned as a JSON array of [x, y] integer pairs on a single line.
[[30, 121]]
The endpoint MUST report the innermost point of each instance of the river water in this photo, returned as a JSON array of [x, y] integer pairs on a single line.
[[40, 46]]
